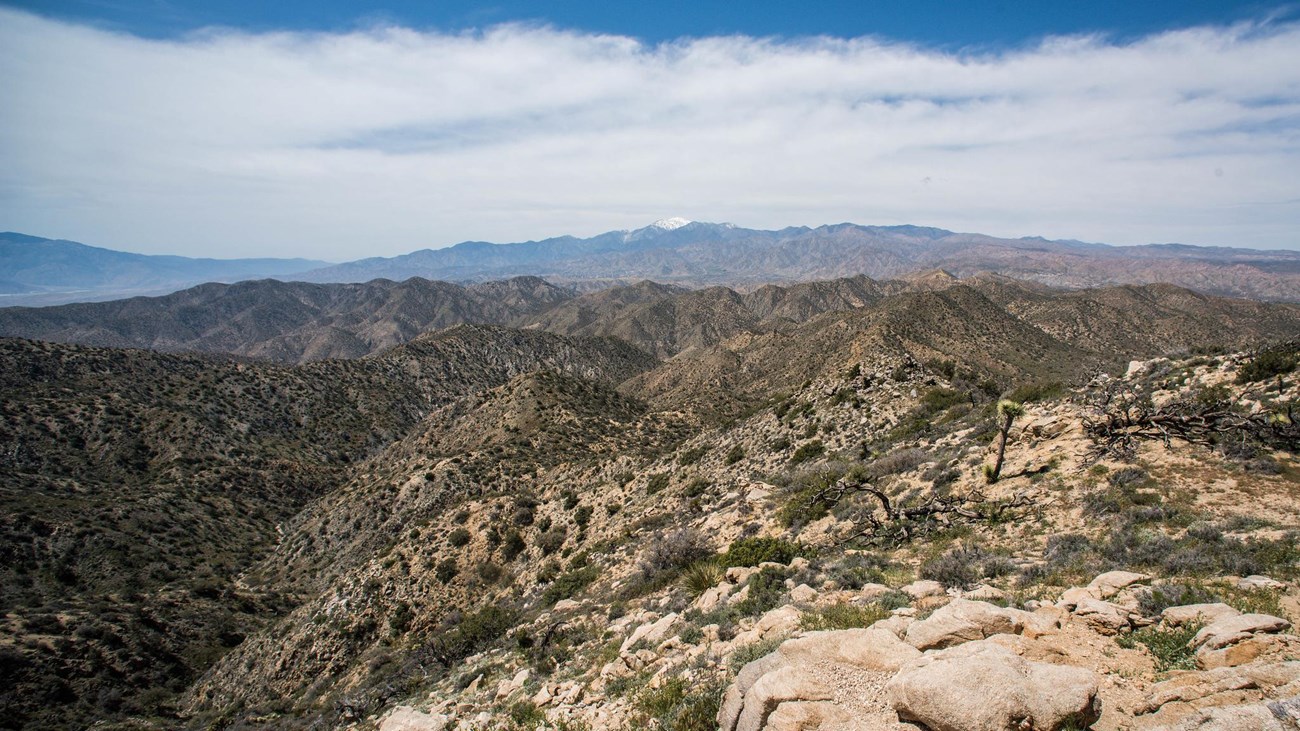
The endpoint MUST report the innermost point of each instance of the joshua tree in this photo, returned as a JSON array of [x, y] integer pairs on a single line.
[[1008, 412]]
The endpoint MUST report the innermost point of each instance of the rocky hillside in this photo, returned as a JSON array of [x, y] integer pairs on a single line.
[[488, 527], [837, 559], [295, 322], [137, 486]]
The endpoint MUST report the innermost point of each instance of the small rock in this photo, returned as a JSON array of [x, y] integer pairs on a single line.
[[961, 621], [565, 605], [871, 592], [651, 633], [984, 593]]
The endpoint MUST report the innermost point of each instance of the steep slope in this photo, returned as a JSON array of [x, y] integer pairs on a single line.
[[51, 272], [137, 486], [285, 321]]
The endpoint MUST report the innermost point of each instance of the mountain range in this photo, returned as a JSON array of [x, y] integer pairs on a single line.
[[36, 271]]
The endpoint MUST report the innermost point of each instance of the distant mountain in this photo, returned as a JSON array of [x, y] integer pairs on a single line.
[[37, 271], [285, 321], [675, 251]]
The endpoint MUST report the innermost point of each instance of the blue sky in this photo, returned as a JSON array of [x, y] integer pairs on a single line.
[[315, 129], [940, 23]]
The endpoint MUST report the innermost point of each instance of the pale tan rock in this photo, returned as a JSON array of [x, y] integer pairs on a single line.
[[406, 718], [984, 593], [1103, 617], [1231, 630], [1253, 717], [786, 683], [740, 574], [870, 649], [1070, 598], [565, 605], [808, 715], [710, 599], [924, 588], [871, 592], [651, 633], [803, 594], [983, 686], [1189, 687], [963, 621], [1110, 583], [1259, 581], [896, 624], [1197, 613]]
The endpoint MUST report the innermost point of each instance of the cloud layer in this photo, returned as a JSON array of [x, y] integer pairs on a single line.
[[386, 140]]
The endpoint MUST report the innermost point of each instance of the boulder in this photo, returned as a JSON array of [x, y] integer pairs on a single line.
[[871, 592], [710, 599], [983, 686], [1110, 583], [1259, 581], [984, 593], [1196, 687], [961, 621], [781, 678], [786, 683], [406, 718], [803, 594], [651, 632], [1275, 716], [1231, 630], [924, 588], [1104, 617], [1070, 598], [1192, 613], [804, 715]]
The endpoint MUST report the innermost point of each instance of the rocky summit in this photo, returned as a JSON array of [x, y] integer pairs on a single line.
[[929, 502]]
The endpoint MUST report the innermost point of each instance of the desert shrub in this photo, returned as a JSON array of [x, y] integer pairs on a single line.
[[807, 451], [745, 654], [696, 487], [1156, 599], [582, 516], [1039, 391], [522, 516], [657, 482], [473, 633], [856, 570], [753, 551], [512, 545], [1270, 362], [569, 499], [674, 551], [961, 567], [458, 537], [1128, 477], [692, 455], [446, 570], [568, 584], [734, 455], [893, 599], [1169, 647], [489, 572], [941, 399], [897, 462], [551, 541], [674, 706], [766, 589], [842, 616], [526, 715], [701, 576]]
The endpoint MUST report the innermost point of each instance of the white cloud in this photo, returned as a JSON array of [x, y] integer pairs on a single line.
[[385, 140]]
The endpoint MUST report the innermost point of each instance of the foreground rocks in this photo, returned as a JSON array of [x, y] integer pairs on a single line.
[[974, 666]]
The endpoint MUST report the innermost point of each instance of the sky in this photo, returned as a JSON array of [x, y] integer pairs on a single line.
[[320, 130]]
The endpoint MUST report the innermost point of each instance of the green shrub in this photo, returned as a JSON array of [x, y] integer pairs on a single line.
[[1270, 362], [656, 483], [458, 537], [1170, 647], [692, 455], [843, 616], [701, 576], [807, 451], [766, 588], [734, 455], [446, 570], [568, 584], [474, 632], [753, 551]]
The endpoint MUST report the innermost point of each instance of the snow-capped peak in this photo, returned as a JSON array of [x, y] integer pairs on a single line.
[[668, 224]]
